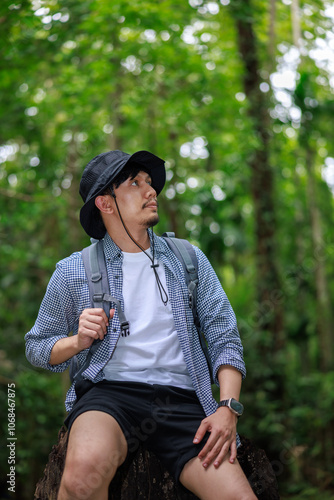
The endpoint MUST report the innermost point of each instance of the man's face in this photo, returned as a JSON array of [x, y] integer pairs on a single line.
[[137, 201]]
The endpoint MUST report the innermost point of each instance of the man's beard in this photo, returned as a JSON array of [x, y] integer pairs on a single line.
[[154, 218], [151, 221]]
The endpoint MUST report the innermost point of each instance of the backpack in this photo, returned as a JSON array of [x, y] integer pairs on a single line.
[[96, 271]]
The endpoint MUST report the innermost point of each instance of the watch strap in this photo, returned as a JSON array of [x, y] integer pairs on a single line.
[[234, 405], [224, 402]]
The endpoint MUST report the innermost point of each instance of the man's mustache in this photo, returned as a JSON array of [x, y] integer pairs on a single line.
[[150, 201]]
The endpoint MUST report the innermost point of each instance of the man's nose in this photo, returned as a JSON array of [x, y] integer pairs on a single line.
[[151, 192]]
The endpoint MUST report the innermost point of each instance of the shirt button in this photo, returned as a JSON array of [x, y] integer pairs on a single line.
[[114, 330]]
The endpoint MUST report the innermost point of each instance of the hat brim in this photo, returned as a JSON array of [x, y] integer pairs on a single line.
[[90, 217]]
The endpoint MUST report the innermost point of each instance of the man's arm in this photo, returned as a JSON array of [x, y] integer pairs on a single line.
[[48, 344], [222, 424], [92, 325], [229, 382], [218, 321], [219, 325]]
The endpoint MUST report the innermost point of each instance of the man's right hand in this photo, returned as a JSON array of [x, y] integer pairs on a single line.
[[92, 325]]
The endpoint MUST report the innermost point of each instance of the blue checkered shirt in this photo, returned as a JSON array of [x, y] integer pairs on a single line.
[[67, 296]]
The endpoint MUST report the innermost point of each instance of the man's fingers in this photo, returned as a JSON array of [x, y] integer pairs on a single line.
[[200, 433], [216, 449], [217, 454], [226, 448], [93, 323], [233, 452], [211, 448], [96, 315], [101, 321], [92, 329]]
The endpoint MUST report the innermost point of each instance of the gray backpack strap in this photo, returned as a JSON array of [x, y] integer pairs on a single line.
[[186, 254], [94, 263], [98, 286]]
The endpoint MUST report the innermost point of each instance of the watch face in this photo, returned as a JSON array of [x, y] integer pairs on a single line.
[[236, 406]]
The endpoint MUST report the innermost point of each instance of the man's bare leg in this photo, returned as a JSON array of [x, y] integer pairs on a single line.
[[227, 482], [96, 448]]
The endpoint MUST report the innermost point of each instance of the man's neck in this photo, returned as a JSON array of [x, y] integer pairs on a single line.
[[124, 242]]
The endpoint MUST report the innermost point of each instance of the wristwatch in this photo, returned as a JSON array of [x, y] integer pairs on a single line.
[[234, 405]]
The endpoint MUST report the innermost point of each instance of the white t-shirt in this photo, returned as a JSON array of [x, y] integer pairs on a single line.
[[152, 352]]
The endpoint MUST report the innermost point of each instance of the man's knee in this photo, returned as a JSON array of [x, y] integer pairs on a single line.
[[249, 495], [85, 474], [79, 486]]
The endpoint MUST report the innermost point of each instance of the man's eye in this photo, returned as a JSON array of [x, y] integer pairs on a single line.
[[134, 183]]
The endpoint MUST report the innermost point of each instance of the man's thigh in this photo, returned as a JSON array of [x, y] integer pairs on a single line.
[[227, 482], [96, 445]]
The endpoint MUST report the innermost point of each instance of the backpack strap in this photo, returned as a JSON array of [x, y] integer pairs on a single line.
[[96, 274], [186, 254], [98, 286]]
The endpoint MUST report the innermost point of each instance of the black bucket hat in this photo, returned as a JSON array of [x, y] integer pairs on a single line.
[[99, 174]]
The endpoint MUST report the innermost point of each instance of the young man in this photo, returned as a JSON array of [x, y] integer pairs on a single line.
[[152, 385]]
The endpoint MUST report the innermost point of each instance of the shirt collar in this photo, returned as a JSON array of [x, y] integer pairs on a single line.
[[112, 251]]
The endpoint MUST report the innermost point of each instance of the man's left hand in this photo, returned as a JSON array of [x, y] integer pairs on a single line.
[[222, 426]]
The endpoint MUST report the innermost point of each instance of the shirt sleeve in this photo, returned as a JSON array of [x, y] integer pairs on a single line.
[[218, 321], [55, 321]]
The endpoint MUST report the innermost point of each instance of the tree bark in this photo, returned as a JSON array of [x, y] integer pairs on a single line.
[[324, 315], [272, 36], [324, 309], [296, 29], [270, 314], [142, 477], [75, 232]]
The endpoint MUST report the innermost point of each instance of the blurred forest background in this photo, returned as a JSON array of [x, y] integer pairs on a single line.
[[237, 96]]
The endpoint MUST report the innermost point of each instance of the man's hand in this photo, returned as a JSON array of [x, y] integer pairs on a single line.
[[93, 325], [222, 426]]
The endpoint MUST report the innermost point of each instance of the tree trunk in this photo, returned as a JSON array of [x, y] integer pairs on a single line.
[[324, 316], [296, 278], [296, 29], [75, 232], [272, 36], [142, 477], [324, 310], [116, 116], [270, 314]]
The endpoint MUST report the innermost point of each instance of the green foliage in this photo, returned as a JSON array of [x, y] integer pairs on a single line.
[[79, 78], [38, 416]]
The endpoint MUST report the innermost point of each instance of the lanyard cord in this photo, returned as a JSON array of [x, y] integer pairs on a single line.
[[162, 291]]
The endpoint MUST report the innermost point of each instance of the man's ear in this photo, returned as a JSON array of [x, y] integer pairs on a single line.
[[104, 204]]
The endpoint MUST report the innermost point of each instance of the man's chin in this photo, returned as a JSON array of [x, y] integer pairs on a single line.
[[152, 221]]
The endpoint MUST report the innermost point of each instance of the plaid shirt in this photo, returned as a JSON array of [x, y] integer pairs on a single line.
[[67, 296]]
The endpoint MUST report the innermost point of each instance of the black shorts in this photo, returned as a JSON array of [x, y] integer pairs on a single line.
[[164, 418]]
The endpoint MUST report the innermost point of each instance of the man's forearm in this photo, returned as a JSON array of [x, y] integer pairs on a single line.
[[229, 382], [63, 350], [93, 324]]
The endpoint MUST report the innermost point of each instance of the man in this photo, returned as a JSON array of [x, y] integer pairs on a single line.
[[153, 385]]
